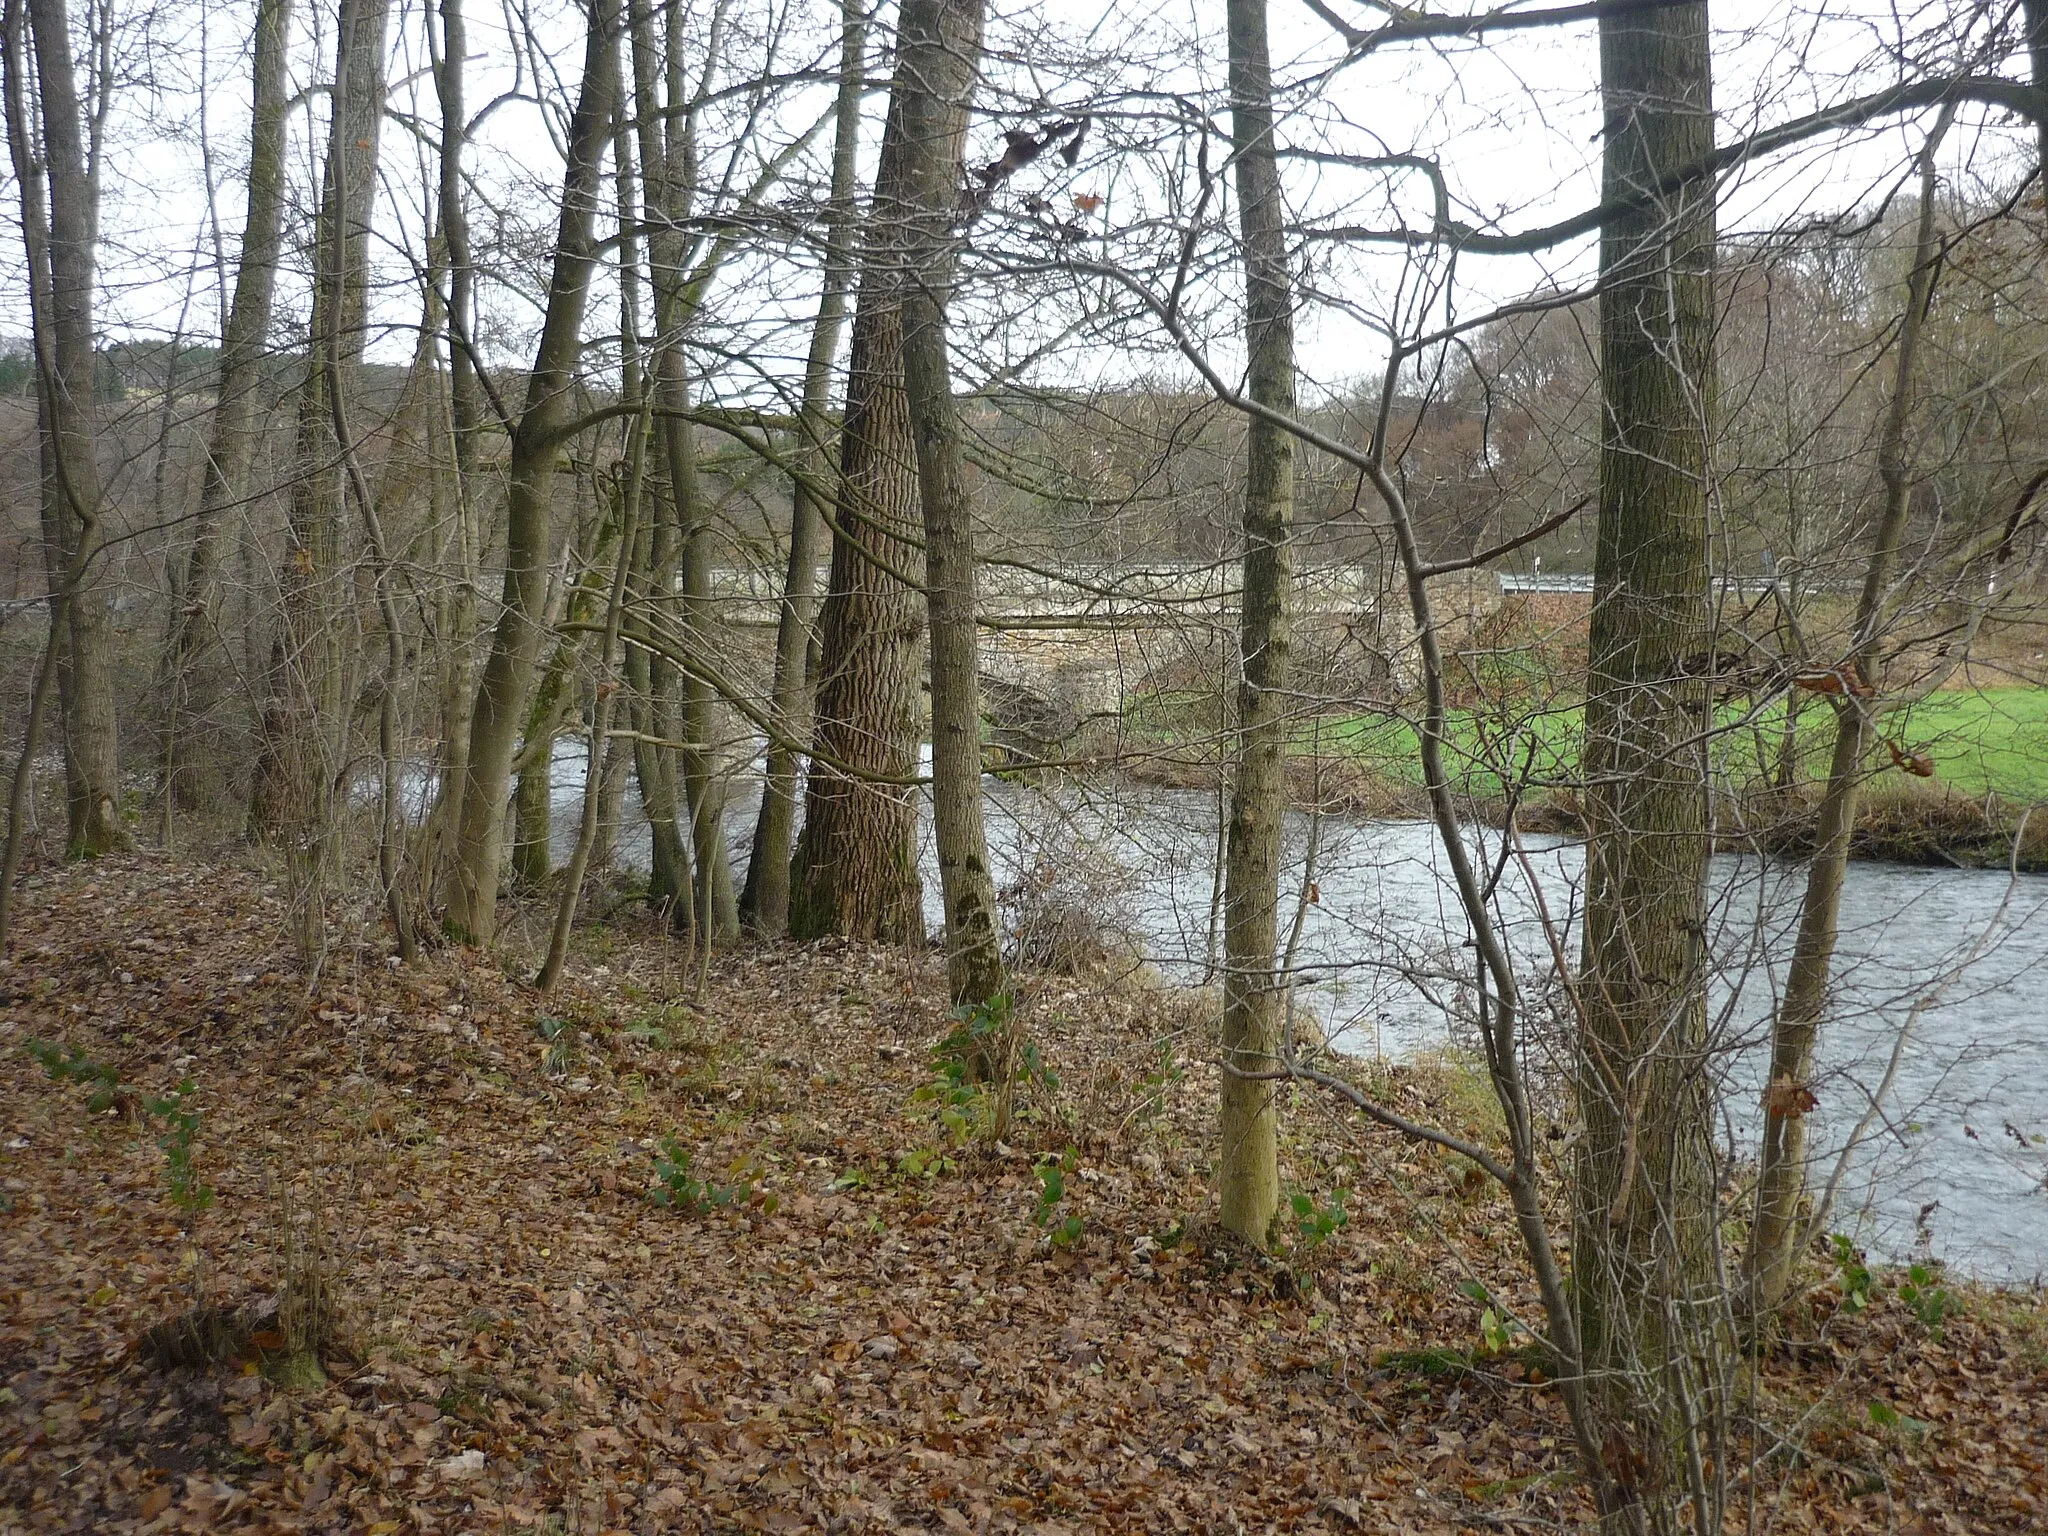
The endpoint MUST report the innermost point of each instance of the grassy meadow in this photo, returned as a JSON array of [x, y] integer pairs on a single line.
[[1988, 748], [1987, 741]]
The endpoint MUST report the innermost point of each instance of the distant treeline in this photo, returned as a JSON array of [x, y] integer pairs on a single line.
[[123, 368]]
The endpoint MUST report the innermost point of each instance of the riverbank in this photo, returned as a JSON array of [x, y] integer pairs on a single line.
[[843, 1320], [1988, 749], [1899, 823]]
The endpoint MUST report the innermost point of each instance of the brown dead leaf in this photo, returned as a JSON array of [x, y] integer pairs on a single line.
[[1785, 1099]]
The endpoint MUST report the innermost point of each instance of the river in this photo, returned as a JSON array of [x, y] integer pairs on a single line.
[[1953, 1162]]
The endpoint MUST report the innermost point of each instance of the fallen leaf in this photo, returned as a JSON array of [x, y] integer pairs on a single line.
[[1785, 1099]]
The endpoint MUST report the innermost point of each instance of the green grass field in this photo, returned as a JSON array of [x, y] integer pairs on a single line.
[[1993, 740], [1985, 741]]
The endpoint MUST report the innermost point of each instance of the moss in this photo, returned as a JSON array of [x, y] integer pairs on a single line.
[[297, 1371]]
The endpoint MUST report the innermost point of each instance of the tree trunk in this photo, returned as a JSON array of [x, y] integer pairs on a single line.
[[682, 538], [703, 714], [308, 718], [36, 233], [532, 817], [472, 896], [391, 804], [546, 711], [668, 878], [938, 58], [1779, 1231], [606, 686], [1247, 1159], [1644, 1206], [764, 904], [188, 697], [60, 238], [618, 754], [455, 477], [652, 676], [855, 871]]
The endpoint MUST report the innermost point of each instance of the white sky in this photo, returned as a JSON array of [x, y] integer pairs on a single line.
[[1513, 122]]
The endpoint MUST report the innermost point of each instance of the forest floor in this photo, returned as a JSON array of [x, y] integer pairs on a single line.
[[859, 1325]]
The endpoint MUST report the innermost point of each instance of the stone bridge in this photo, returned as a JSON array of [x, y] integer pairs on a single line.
[[1015, 597], [1061, 645]]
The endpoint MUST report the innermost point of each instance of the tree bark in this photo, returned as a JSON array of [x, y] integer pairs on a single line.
[[391, 808], [61, 239], [764, 904], [36, 232], [938, 58], [472, 895], [618, 756], [533, 816], [455, 478], [683, 538], [602, 698], [1247, 1159], [1643, 1203], [307, 719], [703, 715], [232, 439], [572, 611], [1779, 1231], [668, 881], [855, 871], [652, 676]]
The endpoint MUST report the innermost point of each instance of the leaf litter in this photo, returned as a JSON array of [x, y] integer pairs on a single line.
[[855, 1323]]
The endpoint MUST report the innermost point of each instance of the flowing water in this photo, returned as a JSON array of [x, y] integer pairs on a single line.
[[1941, 981]]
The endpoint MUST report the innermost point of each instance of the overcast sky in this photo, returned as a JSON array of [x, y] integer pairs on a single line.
[[1513, 122]]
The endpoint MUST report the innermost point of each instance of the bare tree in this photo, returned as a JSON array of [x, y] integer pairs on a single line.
[[1782, 1225], [1643, 1209], [60, 214], [657, 718], [232, 441], [501, 694], [855, 868], [306, 721], [764, 902], [1253, 997], [455, 477], [938, 54]]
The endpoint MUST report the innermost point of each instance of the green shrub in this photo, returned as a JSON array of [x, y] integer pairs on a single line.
[[677, 1188], [181, 1126], [1051, 1172], [71, 1065], [1316, 1224]]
